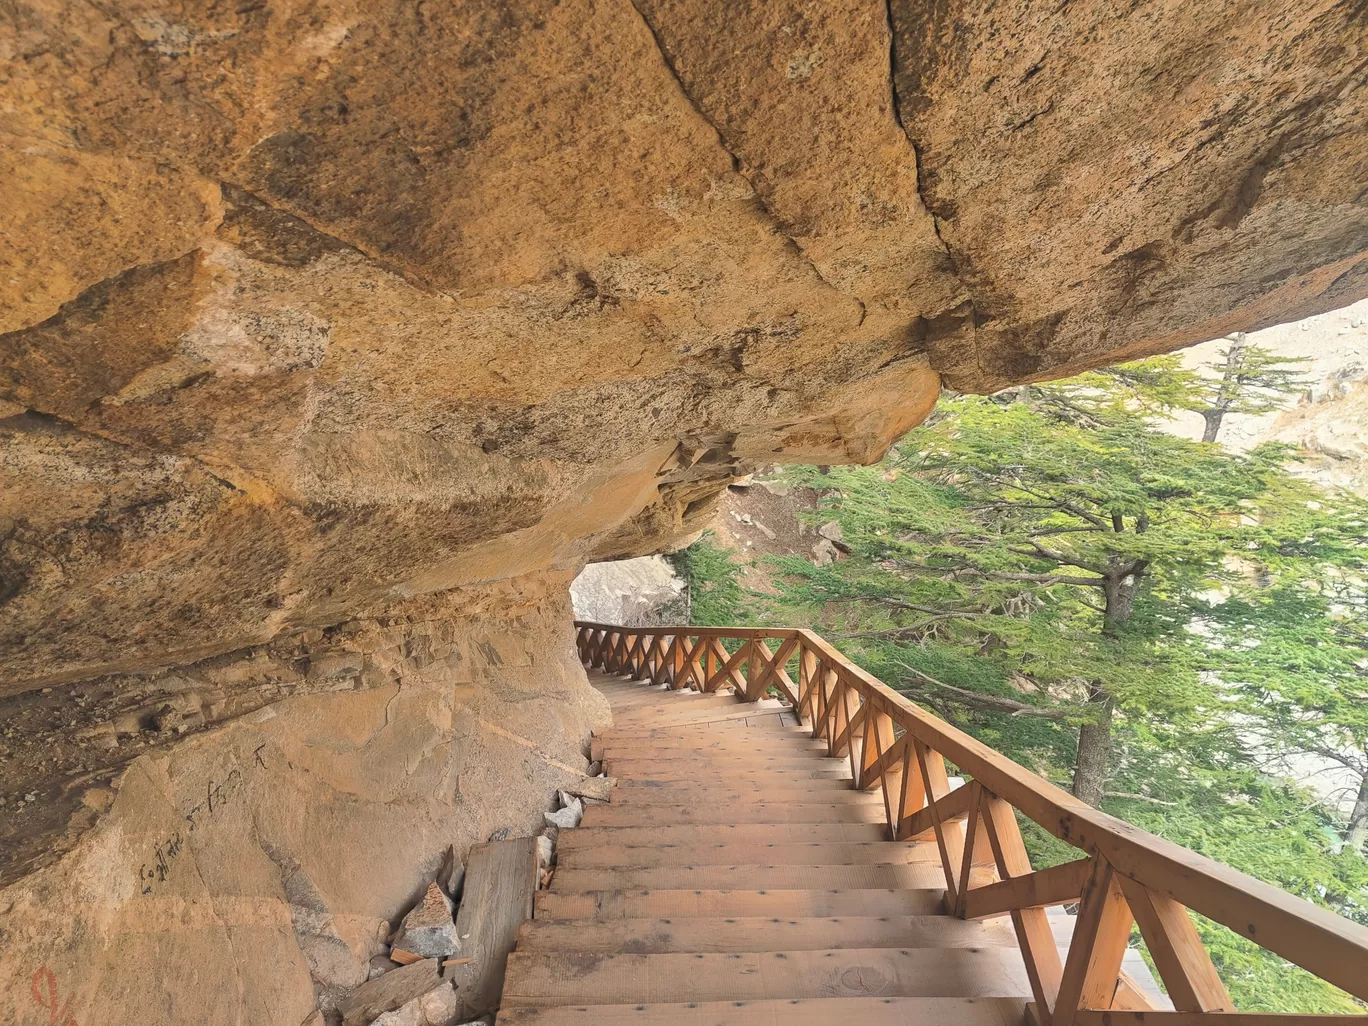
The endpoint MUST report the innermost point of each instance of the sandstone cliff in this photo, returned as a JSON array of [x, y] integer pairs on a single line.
[[318, 313]]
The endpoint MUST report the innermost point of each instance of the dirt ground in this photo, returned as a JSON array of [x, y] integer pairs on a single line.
[[765, 519]]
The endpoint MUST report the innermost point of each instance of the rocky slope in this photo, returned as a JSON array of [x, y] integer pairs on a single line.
[[1329, 423], [318, 313]]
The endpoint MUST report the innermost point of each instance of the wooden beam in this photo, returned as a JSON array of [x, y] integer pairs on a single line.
[[1177, 950], [1032, 926], [1099, 941], [1058, 885], [950, 805]]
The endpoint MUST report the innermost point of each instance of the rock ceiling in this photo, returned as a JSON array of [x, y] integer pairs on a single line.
[[312, 307]]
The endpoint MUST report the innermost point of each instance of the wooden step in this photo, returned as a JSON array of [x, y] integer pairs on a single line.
[[718, 795], [704, 770], [796, 903], [702, 853], [668, 700], [759, 933], [645, 814], [751, 715], [737, 783], [682, 763], [757, 875], [865, 1011], [673, 750], [568, 978], [732, 833], [732, 726]]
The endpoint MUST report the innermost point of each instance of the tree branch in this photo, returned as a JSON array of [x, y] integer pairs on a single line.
[[996, 703]]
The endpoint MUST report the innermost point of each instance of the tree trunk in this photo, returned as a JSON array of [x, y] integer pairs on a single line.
[[1357, 831], [1213, 424], [1094, 748], [1119, 588]]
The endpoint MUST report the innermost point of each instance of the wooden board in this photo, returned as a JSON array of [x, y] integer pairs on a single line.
[[758, 876], [389, 990], [699, 852], [733, 798], [664, 902], [703, 769], [566, 978], [500, 883], [645, 814], [866, 1011], [687, 763], [758, 784], [759, 933], [734, 833]]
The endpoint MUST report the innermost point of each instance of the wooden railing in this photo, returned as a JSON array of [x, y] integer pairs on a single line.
[[1126, 876]]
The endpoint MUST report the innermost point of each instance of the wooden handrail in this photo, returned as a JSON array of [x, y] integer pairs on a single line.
[[1129, 877]]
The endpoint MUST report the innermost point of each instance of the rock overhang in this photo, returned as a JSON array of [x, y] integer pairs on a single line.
[[310, 310]]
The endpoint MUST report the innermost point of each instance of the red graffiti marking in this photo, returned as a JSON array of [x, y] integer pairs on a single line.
[[44, 991]]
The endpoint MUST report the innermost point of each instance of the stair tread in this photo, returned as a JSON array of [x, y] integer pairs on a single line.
[[867, 1011], [647, 814], [764, 877], [570, 977], [759, 933], [586, 836], [635, 903], [702, 851]]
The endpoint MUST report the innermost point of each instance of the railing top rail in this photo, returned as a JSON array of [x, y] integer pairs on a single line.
[[1329, 945]]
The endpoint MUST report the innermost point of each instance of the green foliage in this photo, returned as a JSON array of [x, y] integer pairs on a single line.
[[713, 577], [1048, 560]]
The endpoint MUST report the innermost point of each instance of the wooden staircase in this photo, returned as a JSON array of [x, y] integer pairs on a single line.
[[737, 878], [741, 874]]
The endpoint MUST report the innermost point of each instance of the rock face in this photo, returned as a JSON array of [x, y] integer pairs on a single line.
[[326, 324], [644, 590], [248, 870], [314, 306]]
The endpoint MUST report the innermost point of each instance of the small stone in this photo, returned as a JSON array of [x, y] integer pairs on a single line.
[[567, 817], [438, 1007], [831, 531], [545, 850], [428, 929]]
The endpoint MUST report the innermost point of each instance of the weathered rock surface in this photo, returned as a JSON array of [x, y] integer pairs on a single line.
[[315, 306], [334, 334], [640, 591], [249, 870]]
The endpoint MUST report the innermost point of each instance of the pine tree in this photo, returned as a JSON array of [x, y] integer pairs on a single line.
[[1249, 379]]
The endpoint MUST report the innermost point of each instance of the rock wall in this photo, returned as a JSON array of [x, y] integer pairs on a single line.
[[243, 870], [324, 321]]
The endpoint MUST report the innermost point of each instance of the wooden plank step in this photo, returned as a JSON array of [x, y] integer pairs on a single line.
[[671, 763], [747, 717], [758, 875], [746, 747], [738, 712], [566, 978], [724, 795], [702, 853], [706, 771], [867, 1011], [646, 814], [737, 784], [676, 902], [730, 833], [654, 699], [759, 933]]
